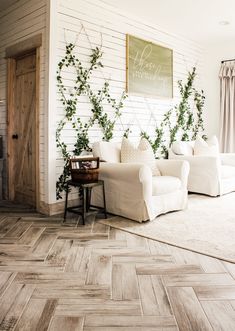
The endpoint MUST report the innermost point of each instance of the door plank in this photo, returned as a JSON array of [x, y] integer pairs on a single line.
[[22, 117]]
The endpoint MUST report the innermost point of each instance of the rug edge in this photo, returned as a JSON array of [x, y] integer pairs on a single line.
[[168, 243]]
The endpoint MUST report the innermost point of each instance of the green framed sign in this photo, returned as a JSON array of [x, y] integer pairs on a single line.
[[149, 69]]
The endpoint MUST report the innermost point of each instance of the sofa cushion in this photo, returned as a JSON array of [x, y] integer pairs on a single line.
[[209, 147], [227, 171], [107, 151], [183, 148], [143, 153], [165, 184]]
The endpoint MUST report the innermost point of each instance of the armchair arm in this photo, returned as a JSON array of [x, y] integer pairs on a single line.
[[127, 172], [131, 179], [128, 188], [175, 168], [204, 174], [202, 163], [228, 159]]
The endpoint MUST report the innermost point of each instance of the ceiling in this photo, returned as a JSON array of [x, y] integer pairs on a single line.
[[196, 20]]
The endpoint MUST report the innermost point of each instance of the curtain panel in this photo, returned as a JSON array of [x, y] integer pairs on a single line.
[[227, 107]]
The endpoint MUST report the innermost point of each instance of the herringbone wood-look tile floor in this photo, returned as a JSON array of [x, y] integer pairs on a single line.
[[96, 278]]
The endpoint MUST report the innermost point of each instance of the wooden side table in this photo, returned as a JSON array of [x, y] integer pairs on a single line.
[[85, 208]]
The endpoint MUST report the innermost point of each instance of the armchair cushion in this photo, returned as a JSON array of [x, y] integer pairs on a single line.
[[165, 184], [175, 168], [141, 154]]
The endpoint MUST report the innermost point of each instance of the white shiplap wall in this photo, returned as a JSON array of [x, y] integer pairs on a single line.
[[18, 22], [98, 18], [63, 18]]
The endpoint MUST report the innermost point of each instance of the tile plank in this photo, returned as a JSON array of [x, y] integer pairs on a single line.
[[123, 287], [31, 315], [130, 321], [68, 323], [30, 236], [108, 307], [86, 291], [215, 292], [199, 280], [46, 315], [167, 269], [11, 317], [153, 296], [5, 279], [187, 309], [100, 270], [221, 315]]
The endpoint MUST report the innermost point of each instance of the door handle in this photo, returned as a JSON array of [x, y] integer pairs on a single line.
[[15, 136]]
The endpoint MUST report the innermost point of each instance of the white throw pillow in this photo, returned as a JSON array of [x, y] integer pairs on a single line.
[[107, 151], [141, 154], [209, 147], [182, 148]]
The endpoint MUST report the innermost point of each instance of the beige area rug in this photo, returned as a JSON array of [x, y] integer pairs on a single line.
[[207, 226]]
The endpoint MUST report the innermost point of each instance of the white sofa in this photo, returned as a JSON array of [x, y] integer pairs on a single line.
[[213, 175], [131, 189]]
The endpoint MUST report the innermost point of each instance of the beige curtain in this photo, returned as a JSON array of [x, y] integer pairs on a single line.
[[227, 107]]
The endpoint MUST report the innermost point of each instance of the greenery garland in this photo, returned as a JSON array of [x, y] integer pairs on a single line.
[[187, 124], [70, 100]]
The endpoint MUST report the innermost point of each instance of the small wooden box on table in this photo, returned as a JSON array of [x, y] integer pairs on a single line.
[[84, 173]]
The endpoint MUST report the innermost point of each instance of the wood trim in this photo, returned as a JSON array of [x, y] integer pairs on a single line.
[[11, 69], [24, 46], [37, 111], [57, 207]]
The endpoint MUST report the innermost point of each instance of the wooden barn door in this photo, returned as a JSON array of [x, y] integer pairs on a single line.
[[22, 129]]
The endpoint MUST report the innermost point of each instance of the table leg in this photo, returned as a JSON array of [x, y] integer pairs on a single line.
[[84, 195], [66, 203], [105, 212], [88, 197]]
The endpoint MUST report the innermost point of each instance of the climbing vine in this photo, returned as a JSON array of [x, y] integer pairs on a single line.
[[69, 98], [181, 122]]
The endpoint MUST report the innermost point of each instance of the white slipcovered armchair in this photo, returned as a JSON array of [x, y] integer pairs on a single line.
[[131, 189], [212, 174]]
